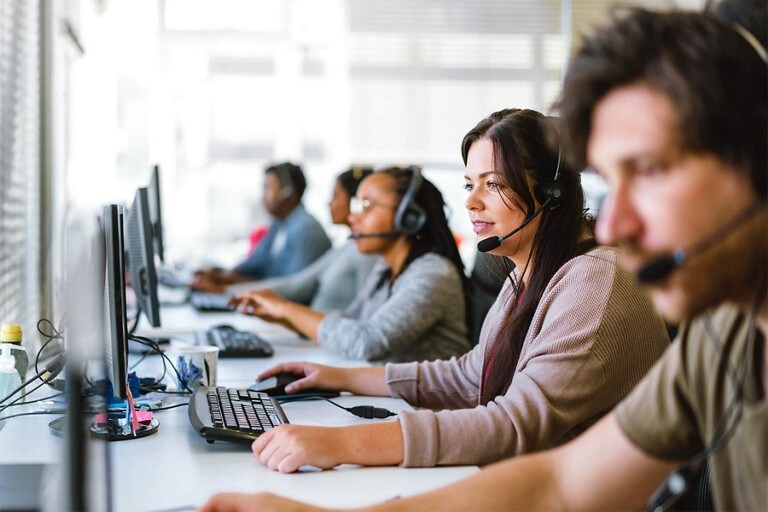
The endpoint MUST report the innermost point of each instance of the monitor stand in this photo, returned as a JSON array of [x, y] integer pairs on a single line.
[[111, 431], [114, 431]]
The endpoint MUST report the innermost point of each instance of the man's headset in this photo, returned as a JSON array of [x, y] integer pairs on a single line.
[[549, 193], [287, 188], [663, 265]]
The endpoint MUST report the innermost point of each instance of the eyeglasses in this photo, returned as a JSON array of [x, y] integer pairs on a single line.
[[365, 205]]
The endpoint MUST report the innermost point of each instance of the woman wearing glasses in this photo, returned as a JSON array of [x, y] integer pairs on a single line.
[[414, 304], [331, 282]]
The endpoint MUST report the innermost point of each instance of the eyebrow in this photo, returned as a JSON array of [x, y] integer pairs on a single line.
[[483, 175]]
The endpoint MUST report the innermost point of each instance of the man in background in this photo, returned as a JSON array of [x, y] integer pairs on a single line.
[[293, 240]]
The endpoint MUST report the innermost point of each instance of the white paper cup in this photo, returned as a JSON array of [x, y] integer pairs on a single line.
[[196, 365]]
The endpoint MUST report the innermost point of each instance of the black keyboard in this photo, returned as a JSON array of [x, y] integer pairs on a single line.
[[234, 343], [237, 415], [202, 301]]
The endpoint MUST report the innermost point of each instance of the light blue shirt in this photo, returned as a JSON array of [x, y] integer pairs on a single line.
[[287, 247]]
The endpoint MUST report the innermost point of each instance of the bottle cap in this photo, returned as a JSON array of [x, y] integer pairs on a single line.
[[10, 333]]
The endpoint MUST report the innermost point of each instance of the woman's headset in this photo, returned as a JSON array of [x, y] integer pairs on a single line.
[[549, 193], [410, 217]]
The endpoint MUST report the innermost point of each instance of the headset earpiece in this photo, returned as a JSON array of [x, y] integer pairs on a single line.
[[549, 192], [284, 193], [410, 217], [284, 177]]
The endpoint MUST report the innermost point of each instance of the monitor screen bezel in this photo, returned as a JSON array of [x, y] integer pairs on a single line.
[[141, 257], [116, 342], [156, 213]]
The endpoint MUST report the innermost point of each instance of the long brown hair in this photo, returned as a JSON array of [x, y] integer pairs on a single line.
[[526, 146]]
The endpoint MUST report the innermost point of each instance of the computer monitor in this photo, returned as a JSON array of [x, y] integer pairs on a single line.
[[116, 339], [116, 335], [155, 213], [141, 257]]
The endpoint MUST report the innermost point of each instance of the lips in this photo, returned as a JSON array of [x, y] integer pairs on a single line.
[[480, 226]]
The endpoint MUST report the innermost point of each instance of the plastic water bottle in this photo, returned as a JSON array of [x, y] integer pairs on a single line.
[[9, 377], [11, 334]]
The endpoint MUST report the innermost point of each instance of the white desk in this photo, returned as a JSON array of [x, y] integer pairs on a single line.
[[176, 467]]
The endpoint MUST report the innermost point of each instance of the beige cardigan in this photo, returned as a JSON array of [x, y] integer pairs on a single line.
[[592, 338]]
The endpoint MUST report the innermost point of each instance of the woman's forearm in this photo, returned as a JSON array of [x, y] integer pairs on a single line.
[[368, 381], [304, 320]]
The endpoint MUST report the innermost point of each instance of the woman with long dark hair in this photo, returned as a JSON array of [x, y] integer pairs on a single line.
[[414, 303], [569, 335]]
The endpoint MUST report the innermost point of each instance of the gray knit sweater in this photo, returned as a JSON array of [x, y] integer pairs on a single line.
[[421, 316], [593, 336], [330, 283]]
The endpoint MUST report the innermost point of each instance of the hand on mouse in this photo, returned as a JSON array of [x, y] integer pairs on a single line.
[[313, 376]]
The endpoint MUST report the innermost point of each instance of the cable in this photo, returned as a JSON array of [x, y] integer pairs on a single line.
[[53, 368], [4, 407], [156, 348], [36, 413], [33, 401], [132, 329], [361, 411], [170, 407], [148, 342], [48, 339], [141, 360], [149, 408]]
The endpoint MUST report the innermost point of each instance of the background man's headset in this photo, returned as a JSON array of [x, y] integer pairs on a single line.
[[286, 181], [549, 193]]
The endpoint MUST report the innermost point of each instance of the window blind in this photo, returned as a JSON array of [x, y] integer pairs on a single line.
[[19, 164]]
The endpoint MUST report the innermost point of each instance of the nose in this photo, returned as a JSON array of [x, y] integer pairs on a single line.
[[618, 221], [473, 202]]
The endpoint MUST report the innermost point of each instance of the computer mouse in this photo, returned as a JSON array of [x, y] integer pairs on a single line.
[[224, 327], [275, 386]]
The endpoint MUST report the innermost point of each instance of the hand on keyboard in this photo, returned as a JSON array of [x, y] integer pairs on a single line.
[[289, 447]]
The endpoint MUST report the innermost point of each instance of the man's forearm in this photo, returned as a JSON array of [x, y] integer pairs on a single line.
[[524, 483]]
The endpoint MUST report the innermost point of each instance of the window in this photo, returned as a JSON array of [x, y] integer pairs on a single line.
[[20, 257]]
